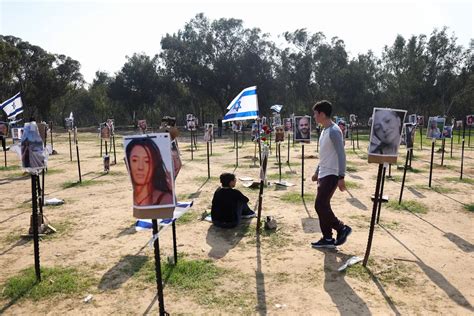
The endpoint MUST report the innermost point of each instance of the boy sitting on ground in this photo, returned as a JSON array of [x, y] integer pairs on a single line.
[[229, 205]]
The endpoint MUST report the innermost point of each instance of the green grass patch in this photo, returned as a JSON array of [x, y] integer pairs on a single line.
[[271, 238], [295, 197], [443, 189], [352, 185], [196, 276], [469, 207], [54, 171], [84, 183], [456, 179], [55, 281], [408, 205], [351, 169], [62, 229], [202, 179], [388, 272], [186, 218], [414, 170], [115, 173], [9, 168]]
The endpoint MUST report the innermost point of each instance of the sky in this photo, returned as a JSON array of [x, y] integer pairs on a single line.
[[101, 33]]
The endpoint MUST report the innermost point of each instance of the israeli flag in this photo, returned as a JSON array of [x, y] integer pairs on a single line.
[[277, 108], [244, 106], [13, 106], [180, 209]]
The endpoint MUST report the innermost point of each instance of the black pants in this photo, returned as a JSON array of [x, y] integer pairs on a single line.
[[327, 220], [242, 208]]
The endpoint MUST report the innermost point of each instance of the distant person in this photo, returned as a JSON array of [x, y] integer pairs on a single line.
[[342, 127], [150, 179], [229, 205], [303, 129], [329, 175], [385, 139], [219, 127]]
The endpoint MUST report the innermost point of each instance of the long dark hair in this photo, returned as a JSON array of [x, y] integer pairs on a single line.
[[159, 174]]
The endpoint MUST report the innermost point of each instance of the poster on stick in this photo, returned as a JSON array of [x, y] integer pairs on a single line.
[[3, 129], [410, 130], [385, 135], [149, 162], [104, 131], [33, 155], [209, 132], [470, 120], [435, 127], [302, 129], [142, 126]]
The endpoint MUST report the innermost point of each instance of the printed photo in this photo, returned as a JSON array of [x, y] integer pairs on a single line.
[[149, 162], [17, 133], [255, 132], [352, 118], [110, 124], [435, 127], [32, 149], [420, 120], [412, 118], [279, 134], [343, 128], [459, 124], [410, 130], [288, 125], [142, 125], [104, 131], [176, 158], [276, 120], [3, 129], [69, 123], [470, 120], [302, 128], [263, 167], [208, 132], [385, 133], [191, 123], [236, 126], [448, 131]]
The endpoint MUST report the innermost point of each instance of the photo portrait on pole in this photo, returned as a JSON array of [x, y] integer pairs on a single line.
[[412, 118], [279, 134], [33, 157], [149, 162], [448, 131], [142, 126], [435, 127], [302, 128], [208, 132], [410, 130], [3, 129], [385, 135], [470, 120], [288, 124], [104, 131]]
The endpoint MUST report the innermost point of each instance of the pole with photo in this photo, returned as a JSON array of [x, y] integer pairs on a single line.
[[288, 156], [208, 163], [302, 169], [77, 155], [443, 142], [70, 145], [159, 281], [433, 141], [404, 175], [462, 148], [380, 197]]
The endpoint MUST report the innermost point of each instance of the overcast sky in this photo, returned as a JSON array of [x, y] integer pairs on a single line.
[[99, 34]]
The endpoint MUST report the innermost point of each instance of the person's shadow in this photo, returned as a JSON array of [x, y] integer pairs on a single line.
[[222, 240], [341, 293]]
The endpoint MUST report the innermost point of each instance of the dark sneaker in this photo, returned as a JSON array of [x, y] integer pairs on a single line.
[[248, 214], [324, 243], [342, 235]]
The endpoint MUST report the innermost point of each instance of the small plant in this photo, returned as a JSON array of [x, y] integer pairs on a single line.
[[55, 281], [9, 168], [409, 205], [463, 180], [295, 197], [352, 185], [351, 169], [469, 207]]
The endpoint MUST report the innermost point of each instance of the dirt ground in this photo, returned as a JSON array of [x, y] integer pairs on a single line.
[[421, 263]]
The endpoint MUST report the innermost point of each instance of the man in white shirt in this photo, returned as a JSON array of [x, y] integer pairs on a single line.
[[329, 176]]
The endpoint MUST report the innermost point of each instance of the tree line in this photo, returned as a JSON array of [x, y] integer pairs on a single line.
[[204, 65]]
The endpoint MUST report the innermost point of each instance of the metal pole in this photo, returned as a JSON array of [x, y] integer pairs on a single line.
[[421, 137], [192, 150], [70, 146], [34, 200], [279, 159], [236, 149], [404, 175], [260, 200], [175, 246], [302, 170], [357, 136], [462, 149], [115, 154], [451, 151], [442, 152], [78, 160], [381, 195], [159, 282], [374, 213], [51, 134], [208, 163], [288, 157], [431, 163]]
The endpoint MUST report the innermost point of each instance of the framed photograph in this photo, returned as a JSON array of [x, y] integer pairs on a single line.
[[168, 121], [32, 149], [459, 124], [470, 120], [17, 133], [403, 137], [420, 120], [255, 133], [385, 135], [110, 124], [236, 126], [104, 131], [69, 123], [410, 130], [412, 118], [279, 134], [343, 128], [288, 124], [435, 127], [302, 130], [352, 119], [276, 120], [176, 158], [191, 124], [149, 162], [448, 131], [208, 132], [3, 129], [142, 125]]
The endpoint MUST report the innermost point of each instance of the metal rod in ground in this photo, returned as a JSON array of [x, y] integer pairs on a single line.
[[70, 146], [101, 146], [353, 140], [4, 146], [279, 159], [302, 170], [106, 150], [78, 161], [259, 211], [159, 282], [421, 137], [42, 190], [288, 157], [211, 146], [357, 136], [451, 151], [192, 150], [459, 136], [208, 163], [259, 143], [462, 148], [404, 175], [237, 150], [389, 171], [40, 201], [469, 136], [175, 245], [431, 162], [442, 151], [381, 194], [115, 154], [374, 213], [411, 156], [34, 199], [51, 134]]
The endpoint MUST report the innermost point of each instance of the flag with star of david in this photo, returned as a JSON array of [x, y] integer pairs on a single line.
[[13, 106], [244, 106]]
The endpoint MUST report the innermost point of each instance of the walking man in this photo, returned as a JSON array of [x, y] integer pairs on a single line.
[[329, 175]]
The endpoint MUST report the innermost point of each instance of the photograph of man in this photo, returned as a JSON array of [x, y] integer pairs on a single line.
[[236, 126], [448, 131], [342, 126], [410, 130], [276, 120], [386, 131], [459, 125], [191, 124], [435, 127], [176, 156], [420, 120], [110, 124], [17, 133], [470, 120], [352, 119], [412, 118], [3, 129], [302, 128], [149, 162], [104, 131], [279, 134], [209, 132], [229, 205], [142, 126], [288, 125]]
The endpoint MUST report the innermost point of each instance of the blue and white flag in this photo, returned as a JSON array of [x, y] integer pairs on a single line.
[[244, 106], [12, 106], [180, 209], [277, 108]]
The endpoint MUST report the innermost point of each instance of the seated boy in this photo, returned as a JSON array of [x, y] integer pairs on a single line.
[[229, 205]]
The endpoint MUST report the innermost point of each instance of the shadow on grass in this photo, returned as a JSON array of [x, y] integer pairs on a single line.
[[21, 242], [121, 272]]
